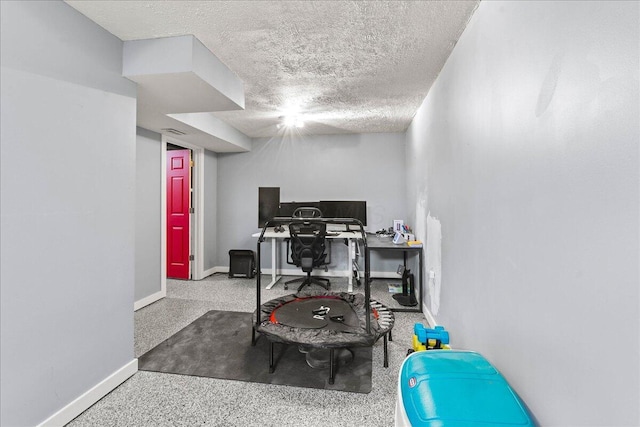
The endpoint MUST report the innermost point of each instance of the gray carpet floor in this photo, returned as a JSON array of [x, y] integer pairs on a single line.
[[157, 399]]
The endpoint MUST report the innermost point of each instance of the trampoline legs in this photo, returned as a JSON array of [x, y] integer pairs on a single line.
[[253, 337], [272, 368], [332, 368], [390, 337], [386, 358]]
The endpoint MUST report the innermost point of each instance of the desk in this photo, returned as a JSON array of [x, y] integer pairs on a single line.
[[374, 243], [377, 243], [351, 238]]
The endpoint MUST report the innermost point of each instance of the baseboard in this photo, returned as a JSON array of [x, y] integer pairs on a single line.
[[330, 273], [214, 270], [298, 272], [209, 272], [386, 275], [97, 392], [149, 300], [429, 316]]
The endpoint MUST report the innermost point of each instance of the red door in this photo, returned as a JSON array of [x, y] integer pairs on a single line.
[[178, 204]]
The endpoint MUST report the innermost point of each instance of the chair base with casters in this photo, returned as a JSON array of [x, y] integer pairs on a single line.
[[310, 280]]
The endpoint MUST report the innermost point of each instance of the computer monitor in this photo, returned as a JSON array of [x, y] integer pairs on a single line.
[[268, 204], [344, 209]]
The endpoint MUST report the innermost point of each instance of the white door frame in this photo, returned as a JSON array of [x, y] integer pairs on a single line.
[[197, 231]]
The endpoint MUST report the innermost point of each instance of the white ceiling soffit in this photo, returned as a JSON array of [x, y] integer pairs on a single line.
[[343, 66], [178, 77]]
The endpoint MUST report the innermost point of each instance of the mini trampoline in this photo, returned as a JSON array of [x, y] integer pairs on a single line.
[[322, 319]]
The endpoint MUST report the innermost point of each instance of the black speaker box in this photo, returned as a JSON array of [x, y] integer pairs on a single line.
[[242, 263]]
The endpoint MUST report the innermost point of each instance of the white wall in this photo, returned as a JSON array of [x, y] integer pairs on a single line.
[[330, 167], [526, 153], [67, 209], [210, 209], [148, 213]]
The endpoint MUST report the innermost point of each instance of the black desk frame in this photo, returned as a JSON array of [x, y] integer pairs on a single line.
[[377, 243]]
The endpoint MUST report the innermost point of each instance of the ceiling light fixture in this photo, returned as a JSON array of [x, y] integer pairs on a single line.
[[291, 121]]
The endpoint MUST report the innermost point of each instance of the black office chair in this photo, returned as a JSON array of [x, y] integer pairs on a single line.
[[308, 251]]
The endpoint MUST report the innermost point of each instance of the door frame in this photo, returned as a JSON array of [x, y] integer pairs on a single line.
[[197, 223]]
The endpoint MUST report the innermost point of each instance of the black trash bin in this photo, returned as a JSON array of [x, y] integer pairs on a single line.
[[242, 263]]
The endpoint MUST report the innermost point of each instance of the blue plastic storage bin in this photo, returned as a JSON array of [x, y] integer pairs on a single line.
[[447, 388]]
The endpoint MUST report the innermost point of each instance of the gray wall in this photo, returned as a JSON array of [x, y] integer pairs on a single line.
[[342, 167], [526, 152], [210, 209], [67, 209], [148, 213]]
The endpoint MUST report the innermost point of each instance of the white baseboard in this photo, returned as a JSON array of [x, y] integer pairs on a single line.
[[298, 272], [429, 316], [97, 392], [209, 272], [149, 300], [385, 275], [330, 273], [214, 270]]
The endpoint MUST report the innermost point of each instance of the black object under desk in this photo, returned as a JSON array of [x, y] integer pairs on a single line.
[[378, 243]]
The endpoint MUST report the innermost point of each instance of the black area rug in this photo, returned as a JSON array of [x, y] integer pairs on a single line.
[[218, 345]]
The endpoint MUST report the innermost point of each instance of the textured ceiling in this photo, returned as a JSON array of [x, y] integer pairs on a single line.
[[343, 66]]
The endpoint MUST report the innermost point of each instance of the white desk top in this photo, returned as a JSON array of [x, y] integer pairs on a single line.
[[270, 234]]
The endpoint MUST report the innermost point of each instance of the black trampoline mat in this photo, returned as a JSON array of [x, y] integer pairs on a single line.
[[300, 313], [218, 345]]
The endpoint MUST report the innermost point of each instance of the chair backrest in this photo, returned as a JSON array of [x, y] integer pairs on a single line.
[[308, 244], [307, 212]]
